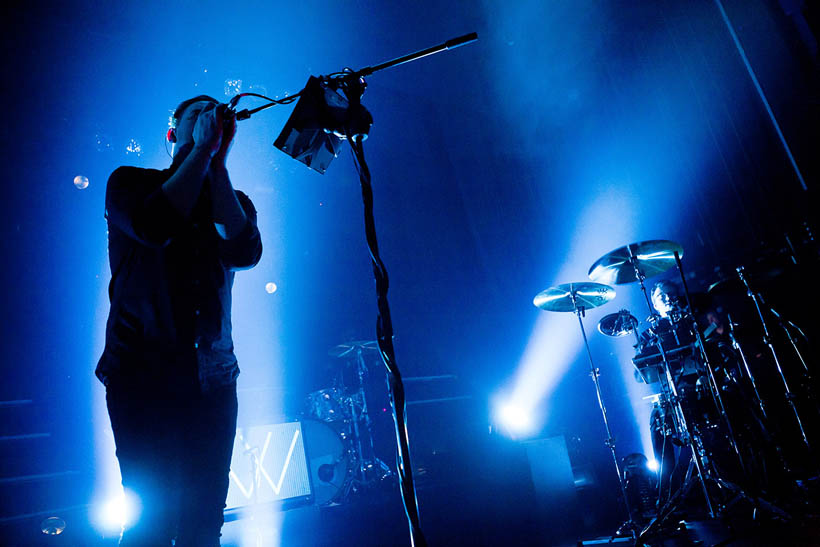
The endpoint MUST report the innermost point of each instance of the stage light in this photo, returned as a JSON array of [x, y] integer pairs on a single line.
[[653, 465], [514, 418], [122, 509], [556, 340]]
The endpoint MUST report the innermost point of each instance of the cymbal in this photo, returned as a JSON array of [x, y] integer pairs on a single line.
[[574, 296], [652, 257], [617, 324], [345, 349]]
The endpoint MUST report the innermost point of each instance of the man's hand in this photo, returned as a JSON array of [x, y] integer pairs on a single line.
[[208, 129], [228, 123]]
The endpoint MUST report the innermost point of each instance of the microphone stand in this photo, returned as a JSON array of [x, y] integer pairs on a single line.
[[353, 125]]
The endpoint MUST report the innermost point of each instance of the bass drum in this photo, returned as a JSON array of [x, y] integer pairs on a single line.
[[328, 460]]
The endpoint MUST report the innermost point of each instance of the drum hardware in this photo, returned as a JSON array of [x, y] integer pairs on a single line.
[[577, 298], [619, 324], [767, 340], [346, 407], [737, 347], [715, 388], [348, 348], [366, 457], [648, 359], [632, 263], [328, 405], [784, 325]]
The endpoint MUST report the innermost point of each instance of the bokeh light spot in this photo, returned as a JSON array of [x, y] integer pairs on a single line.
[[233, 87], [81, 182], [133, 147]]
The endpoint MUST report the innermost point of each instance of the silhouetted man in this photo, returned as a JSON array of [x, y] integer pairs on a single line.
[[175, 239]]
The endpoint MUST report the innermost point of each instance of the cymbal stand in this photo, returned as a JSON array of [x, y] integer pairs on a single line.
[[679, 418], [610, 440], [737, 347], [785, 324], [713, 386], [768, 341], [765, 424]]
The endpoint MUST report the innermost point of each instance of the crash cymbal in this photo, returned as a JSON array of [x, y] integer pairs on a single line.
[[651, 257], [574, 296], [617, 324], [345, 349]]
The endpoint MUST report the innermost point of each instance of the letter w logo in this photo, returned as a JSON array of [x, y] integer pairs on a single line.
[[248, 491]]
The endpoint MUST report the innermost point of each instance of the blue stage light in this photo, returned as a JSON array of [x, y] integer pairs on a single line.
[[123, 509], [514, 419]]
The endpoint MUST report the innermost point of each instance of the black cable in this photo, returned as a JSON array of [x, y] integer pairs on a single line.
[[245, 114], [384, 331], [287, 100]]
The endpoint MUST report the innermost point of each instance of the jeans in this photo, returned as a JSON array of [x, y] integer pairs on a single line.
[[174, 449]]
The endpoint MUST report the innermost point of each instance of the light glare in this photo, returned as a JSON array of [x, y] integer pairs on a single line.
[[121, 510], [515, 418]]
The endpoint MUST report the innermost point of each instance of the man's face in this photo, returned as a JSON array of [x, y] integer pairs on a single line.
[[661, 302], [187, 121]]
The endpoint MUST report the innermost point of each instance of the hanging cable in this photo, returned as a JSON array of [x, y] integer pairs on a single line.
[[384, 331]]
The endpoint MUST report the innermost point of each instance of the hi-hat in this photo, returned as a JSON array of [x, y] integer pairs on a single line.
[[574, 296], [651, 258], [618, 324]]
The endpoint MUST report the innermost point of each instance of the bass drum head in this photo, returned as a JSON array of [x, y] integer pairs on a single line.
[[328, 461]]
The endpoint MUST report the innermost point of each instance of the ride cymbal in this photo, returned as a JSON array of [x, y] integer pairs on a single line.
[[647, 257]]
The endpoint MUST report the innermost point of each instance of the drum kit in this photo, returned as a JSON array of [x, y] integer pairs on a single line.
[[699, 406], [339, 430]]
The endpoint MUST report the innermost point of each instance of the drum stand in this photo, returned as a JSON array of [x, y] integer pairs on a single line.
[[768, 341], [713, 386], [699, 459], [610, 440], [679, 419]]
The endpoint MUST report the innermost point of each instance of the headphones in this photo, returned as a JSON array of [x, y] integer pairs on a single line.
[[171, 136]]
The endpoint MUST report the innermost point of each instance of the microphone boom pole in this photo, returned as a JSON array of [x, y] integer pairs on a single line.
[[329, 111]]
